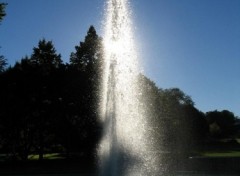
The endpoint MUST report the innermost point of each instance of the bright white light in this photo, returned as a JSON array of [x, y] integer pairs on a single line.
[[121, 113]]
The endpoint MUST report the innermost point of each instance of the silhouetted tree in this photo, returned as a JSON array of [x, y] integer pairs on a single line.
[[2, 11], [46, 62], [45, 56], [85, 63], [187, 125], [88, 53], [31, 101], [221, 123], [173, 120], [48, 106], [16, 111], [3, 63]]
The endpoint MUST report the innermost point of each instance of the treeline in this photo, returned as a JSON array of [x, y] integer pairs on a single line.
[[3, 61], [47, 106], [178, 126]]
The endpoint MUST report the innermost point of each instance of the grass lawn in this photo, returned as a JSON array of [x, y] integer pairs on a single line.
[[221, 154], [50, 156]]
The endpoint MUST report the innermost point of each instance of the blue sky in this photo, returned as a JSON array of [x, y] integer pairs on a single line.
[[190, 44]]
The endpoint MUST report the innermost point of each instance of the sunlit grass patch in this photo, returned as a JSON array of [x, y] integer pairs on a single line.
[[49, 156], [222, 154]]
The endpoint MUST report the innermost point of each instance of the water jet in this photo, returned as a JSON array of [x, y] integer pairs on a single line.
[[124, 149]]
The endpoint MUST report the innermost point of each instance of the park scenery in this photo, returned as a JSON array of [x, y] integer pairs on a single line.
[[97, 114]]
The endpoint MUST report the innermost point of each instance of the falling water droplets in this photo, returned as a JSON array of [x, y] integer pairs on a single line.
[[124, 148]]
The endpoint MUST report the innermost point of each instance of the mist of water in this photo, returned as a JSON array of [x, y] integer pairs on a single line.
[[124, 148]]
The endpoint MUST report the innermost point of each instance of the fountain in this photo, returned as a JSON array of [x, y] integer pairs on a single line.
[[124, 149]]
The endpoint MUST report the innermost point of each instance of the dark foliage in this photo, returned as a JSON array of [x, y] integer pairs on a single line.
[[47, 106], [221, 124], [175, 123], [3, 61], [2, 11]]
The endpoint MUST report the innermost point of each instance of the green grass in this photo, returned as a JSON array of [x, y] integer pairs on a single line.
[[50, 156], [221, 154]]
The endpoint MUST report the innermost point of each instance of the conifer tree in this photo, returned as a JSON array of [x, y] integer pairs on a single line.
[[45, 56], [3, 61], [88, 53], [2, 11]]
